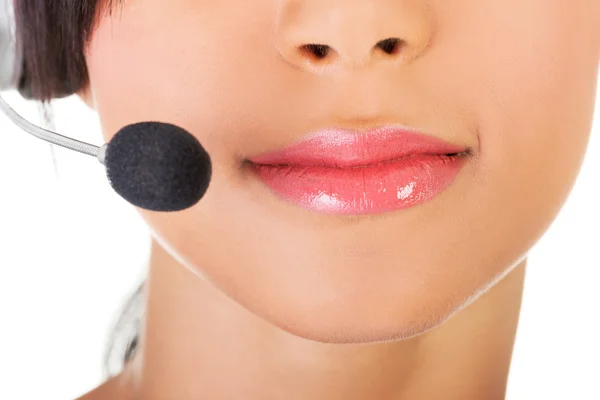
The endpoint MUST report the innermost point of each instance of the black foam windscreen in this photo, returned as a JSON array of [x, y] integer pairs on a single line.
[[157, 166]]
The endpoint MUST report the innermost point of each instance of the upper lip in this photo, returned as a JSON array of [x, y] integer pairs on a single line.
[[336, 147]]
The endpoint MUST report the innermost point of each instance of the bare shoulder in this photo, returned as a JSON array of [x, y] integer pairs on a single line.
[[103, 392], [113, 389]]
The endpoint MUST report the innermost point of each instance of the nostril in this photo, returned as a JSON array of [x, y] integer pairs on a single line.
[[390, 45], [319, 51], [320, 54]]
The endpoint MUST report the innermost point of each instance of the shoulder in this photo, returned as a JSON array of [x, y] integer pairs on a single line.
[[103, 392], [116, 388]]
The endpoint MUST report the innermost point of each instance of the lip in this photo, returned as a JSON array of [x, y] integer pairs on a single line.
[[340, 171]]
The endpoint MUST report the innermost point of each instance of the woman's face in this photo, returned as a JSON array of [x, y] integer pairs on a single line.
[[514, 81]]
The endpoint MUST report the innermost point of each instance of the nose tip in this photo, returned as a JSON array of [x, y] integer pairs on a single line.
[[325, 34]]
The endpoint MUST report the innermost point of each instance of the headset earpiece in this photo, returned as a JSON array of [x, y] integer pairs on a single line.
[[11, 62]]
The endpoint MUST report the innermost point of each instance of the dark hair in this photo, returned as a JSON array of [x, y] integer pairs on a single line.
[[51, 35]]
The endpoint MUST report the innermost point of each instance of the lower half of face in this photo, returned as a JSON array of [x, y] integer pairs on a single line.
[[513, 82]]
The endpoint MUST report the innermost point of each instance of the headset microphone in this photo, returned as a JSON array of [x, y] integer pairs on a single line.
[[153, 165], [157, 166]]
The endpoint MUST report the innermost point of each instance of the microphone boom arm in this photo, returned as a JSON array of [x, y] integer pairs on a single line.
[[52, 137]]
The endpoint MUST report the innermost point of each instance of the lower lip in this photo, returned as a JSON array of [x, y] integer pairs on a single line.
[[369, 189]]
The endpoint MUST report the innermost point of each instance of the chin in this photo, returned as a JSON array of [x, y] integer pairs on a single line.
[[348, 322], [356, 331]]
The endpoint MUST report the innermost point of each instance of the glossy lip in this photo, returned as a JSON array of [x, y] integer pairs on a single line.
[[344, 172]]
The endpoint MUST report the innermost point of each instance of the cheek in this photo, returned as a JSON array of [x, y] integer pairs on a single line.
[[135, 80], [531, 78], [203, 70]]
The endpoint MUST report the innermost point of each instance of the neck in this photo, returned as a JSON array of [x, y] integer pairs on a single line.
[[198, 343]]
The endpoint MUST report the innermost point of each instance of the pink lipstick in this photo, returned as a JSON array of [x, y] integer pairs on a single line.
[[344, 172]]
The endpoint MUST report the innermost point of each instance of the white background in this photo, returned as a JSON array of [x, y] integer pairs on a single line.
[[71, 251]]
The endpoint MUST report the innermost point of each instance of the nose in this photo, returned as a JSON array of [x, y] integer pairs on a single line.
[[322, 35]]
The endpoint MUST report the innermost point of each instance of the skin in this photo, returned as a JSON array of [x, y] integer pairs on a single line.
[[253, 297]]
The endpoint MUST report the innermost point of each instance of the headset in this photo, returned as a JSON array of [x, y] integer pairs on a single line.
[[153, 165], [10, 61]]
